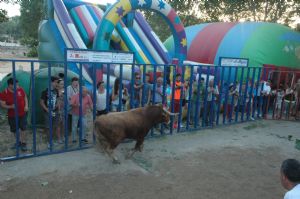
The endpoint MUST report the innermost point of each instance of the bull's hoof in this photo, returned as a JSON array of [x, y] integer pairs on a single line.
[[116, 161]]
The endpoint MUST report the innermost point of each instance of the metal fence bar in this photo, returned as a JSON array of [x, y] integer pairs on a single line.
[[246, 95], [221, 95], [198, 99], [240, 92], [33, 113], [232, 99]]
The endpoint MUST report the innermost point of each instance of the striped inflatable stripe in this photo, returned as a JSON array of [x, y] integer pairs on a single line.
[[86, 18], [205, 45]]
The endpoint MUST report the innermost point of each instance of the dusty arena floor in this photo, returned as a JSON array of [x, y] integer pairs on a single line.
[[234, 162]]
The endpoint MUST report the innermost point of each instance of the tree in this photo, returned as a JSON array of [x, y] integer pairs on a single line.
[[11, 28], [276, 11], [3, 13], [32, 12]]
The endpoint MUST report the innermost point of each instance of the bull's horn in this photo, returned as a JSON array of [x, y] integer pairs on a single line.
[[171, 114]]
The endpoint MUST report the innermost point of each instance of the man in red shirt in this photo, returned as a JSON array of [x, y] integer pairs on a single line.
[[7, 102]]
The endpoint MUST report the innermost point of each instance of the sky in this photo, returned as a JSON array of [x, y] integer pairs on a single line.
[[14, 10]]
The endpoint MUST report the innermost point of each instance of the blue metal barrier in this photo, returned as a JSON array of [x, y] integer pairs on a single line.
[[197, 104]]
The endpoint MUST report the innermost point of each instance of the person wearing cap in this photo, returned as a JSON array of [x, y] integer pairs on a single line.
[[290, 178], [49, 105], [21, 106]]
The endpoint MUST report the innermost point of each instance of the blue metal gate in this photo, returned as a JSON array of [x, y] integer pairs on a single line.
[[209, 96]]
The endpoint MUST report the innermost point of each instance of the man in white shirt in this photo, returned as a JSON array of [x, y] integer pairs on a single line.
[[290, 178], [265, 93]]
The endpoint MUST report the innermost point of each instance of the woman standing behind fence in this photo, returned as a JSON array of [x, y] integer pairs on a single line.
[[87, 103], [101, 99], [115, 97]]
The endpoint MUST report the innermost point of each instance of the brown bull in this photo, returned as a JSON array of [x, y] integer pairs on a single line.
[[113, 128]]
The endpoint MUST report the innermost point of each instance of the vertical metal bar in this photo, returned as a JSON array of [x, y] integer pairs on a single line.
[[251, 100], [66, 104], [213, 105], [260, 97], [80, 106], [205, 97], [226, 95], [108, 108], [191, 82], [95, 97], [154, 88], [256, 101], [220, 95], [275, 99], [232, 99], [154, 83], [172, 97], [180, 100], [240, 91], [143, 76], [164, 100], [132, 86], [120, 106], [15, 101], [33, 113], [198, 98], [245, 94], [50, 107]]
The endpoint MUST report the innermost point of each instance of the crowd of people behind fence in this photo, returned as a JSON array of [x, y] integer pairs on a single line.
[[200, 102]]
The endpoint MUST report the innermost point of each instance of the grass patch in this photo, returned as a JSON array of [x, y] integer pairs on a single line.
[[250, 126]]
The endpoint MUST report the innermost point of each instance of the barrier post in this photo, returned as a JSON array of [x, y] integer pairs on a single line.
[[33, 116]]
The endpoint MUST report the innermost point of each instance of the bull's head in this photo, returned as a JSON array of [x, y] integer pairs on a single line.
[[166, 115]]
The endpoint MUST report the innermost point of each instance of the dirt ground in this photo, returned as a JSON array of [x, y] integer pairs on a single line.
[[234, 162]]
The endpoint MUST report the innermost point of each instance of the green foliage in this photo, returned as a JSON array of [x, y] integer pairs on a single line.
[[3, 13], [32, 43], [32, 12], [11, 28], [199, 11], [3, 17], [277, 11]]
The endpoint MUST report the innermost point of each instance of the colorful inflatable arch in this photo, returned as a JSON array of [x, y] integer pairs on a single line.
[[122, 7], [262, 43]]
